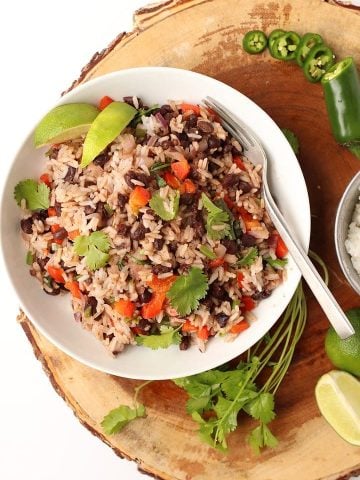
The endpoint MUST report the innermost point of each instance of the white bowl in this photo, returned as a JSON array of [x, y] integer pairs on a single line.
[[53, 317]]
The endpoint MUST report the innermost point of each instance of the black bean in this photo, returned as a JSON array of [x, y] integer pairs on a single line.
[[187, 199], [262, 295], [222, 319], [231, 181], [109, 337], [144, 324], [192, 120], [230, 245], [207, 302], [227, 148], [169, 116], [165, 109], [70, 174], [26, 225], [244, 186], [139, 176], [60, 234], [213, 142], [101, 160], [130, 101], [100, 208], [139, 233], [123, 229], [57, 207], [157, 269], [218, 291], [204, 126], [91, 304], [89, 183], [185, 343], [159, 243], [145, 296], [89, 209], [203, 145], [42, 262], [235, 151], [172, 247], [40, 215], [54, 291], [184, 140], [212, 167], [248, 240], [122, 200]]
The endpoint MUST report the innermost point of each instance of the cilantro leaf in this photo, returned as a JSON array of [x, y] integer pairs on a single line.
[[35, 194], [292, 139], [118, 418], [167, 209], [168, 336], [261, 436], [232, 232], [197, 404], [249, 258], [143, 112], [94, 248], [205, 250], [277, 262], [217, 226], [160, 181], [187, 290], [157, 166], [262, 407]]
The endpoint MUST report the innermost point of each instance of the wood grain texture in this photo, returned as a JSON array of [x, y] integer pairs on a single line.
[[165, 443]]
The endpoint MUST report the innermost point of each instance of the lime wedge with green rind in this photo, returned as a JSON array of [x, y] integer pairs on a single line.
[[338, 397], [107, 126], [65, 122]]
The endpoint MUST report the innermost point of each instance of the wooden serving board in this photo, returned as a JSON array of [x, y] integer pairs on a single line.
[[205, 36]]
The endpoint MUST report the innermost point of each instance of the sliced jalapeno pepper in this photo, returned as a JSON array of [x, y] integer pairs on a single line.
[[308, 41], [274, 35], [341, 86], [254, 42], [318, 62], [285, 46]]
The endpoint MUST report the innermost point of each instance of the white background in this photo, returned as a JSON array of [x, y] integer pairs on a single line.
[[44, 45]]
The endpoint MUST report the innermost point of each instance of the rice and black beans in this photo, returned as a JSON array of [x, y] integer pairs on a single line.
[[144, 248]]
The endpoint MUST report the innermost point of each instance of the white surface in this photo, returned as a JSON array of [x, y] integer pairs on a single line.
[[46, 43], [52, 315]]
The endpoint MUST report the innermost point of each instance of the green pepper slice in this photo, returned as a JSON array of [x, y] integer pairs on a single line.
[[341, 85], [254, 42], [318, 62], [285, 46], [274, 35], [308, 41]]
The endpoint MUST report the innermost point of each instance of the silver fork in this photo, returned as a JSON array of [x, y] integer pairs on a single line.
[[256, 154]]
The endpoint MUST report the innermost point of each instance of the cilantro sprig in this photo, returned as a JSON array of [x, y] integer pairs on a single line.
[[35, 194], [277, 263], [217, 220], [94, 248], [168, 208], [168, 336], [249, 258], [187, 290]]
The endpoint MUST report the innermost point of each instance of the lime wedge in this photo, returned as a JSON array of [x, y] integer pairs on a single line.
[[338, 397], [107, 126], [65, 122]]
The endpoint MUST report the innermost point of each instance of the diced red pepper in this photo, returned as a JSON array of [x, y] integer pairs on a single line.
[[126, 308], [217, 262], [137, 330], [172, 181], [188, 186], [239, 162], [239, 327], [104, 102], [188, 327], [55, 228], [239, 278], [56, 273], [73, 234], [190, 108], [230, 203], [250, 222], [181, 169], [203, 333], [139, 197], [161, 285], [154, 307], [52, 212], [45, 178], [248, 303], [74, 288], [213, 114], [281, 249]]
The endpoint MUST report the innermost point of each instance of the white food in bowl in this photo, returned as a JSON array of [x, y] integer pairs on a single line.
[[53, 317], [352, 243]]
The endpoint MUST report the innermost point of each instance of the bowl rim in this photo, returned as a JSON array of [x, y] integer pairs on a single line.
[[348, 200], [98, 80]]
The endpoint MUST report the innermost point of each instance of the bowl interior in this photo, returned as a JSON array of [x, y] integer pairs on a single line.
[[53, 316], [343, 218]]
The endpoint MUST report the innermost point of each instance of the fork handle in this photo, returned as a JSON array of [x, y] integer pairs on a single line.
[[318, 287]]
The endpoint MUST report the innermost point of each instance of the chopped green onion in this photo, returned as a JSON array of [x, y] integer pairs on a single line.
[[205, 250], [157, 166], [109, 210], [277, 262], [88, 311], [29, 258]]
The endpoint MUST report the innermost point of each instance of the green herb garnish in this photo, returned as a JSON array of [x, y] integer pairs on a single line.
[[292, 139], [217, 225], [142, 112], [168, 336], [205, 250], [158, 166], [94, 248], [160, 181], [29, 259], [277, 263], [187, 290], [35, 194], [109, 210], [249, 258], [167, 209]]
